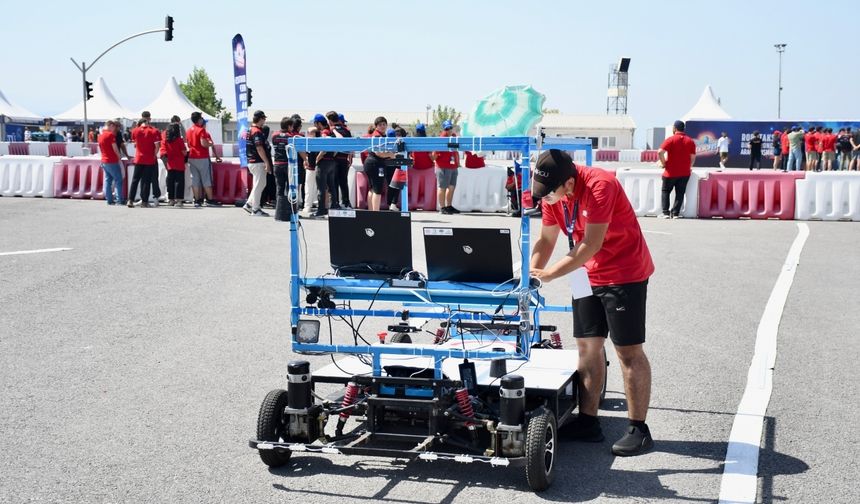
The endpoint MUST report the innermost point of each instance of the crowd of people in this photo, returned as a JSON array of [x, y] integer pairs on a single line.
[[817, 148], [323, 176]]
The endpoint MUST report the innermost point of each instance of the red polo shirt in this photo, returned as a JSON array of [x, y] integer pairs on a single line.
[[145, 137], [624, 257], [809, 140], [422, 160], [447, 160], [679, 147], [175, 152], [828, 142], [474, 161], [106, 142], [785, 143], [195, 136]]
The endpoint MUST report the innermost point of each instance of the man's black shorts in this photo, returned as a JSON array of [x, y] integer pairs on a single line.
[[616, 310], [372, 167]]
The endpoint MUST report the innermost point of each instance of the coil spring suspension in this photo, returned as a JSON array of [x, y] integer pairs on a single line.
[[555, 340], [348, 400], [465, 404]]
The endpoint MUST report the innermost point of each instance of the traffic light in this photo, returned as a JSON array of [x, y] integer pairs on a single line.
[[168, 23], [249, 97], [88, 87]]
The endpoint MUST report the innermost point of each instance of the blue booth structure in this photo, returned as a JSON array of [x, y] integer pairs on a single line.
[[488, 389]]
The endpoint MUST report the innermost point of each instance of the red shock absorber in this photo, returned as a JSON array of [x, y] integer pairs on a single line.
[[440, 336], [348, 400], [465, 404], [555, 339]]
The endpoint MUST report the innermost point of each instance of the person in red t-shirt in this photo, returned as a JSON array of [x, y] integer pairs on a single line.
[[110, 164], [146, 145], [447, 167], [174, 156], [199, 162], [590, 207], [828, 149], [421, 160], [398, 180], [809, 140], [785, 144], [681, 150], [374, 167]]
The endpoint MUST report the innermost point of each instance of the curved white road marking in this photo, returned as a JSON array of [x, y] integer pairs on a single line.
[[740, 471], [38, 251]]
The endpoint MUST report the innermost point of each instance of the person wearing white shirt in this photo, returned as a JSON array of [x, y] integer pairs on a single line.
[[723, 146]]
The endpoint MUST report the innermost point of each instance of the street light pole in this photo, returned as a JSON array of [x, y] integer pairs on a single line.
[[168, 31], [780, 48]]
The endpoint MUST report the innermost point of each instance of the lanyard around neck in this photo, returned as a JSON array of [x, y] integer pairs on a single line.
[[570, 224]]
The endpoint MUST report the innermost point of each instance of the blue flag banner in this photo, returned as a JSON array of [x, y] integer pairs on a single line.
[[239, 80]]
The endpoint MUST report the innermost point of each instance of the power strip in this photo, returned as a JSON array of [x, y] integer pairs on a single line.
[[407, 284]]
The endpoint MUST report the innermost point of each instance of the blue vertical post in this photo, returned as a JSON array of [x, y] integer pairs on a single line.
[[588, 155], [525, 169], [295, 259]]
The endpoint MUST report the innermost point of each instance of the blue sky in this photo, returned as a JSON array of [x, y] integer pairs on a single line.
[[390, 55]]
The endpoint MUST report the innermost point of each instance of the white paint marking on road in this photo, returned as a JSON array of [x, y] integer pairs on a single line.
[[39, 251], [740, 471], [655, 232]]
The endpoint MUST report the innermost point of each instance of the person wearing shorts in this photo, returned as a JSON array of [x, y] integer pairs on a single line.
[[447, 167], [589, 206], [199, 162], [809, 140], [374, 167]]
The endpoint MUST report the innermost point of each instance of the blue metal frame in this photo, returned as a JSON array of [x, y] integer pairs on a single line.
[[454, 297]]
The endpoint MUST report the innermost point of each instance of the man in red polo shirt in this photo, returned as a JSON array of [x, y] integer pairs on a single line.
[[681, 150], [447, 168], [110, 164], [589, 206], [199, 163], [146, 143]]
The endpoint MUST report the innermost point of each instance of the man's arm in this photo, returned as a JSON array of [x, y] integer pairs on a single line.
[[544, 246], [157, 146], [265, 157], [116, 151], [692, 160], [662, 155], [591, 243]]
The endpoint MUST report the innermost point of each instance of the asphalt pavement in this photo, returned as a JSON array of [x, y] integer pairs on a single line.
[[132, 366]]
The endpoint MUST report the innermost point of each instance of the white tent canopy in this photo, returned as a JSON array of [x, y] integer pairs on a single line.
[[707, 107], [172, 101], [15, 112], [101, 107]]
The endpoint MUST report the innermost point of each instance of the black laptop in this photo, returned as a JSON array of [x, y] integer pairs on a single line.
[[468, 255], [366, 244]]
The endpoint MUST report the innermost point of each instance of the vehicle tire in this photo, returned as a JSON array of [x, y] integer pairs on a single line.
[[541, 444], [271, 427], [605, 378], [401, 337]]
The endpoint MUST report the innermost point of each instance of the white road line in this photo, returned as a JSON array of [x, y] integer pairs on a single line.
[[39, 251], [655, 232], [740, 471]]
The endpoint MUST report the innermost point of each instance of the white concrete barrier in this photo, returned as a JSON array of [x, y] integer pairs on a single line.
[[39, 149], [579, 156], [227, 150], [4, 148], [481, 189], [644, 189], [828, 196], [29, 176], [629, 155], [74, 149]]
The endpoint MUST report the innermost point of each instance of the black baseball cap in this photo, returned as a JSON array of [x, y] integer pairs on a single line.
[[259, 115], [553, 169]]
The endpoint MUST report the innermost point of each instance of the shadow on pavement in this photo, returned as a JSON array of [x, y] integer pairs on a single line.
[[584, 473]]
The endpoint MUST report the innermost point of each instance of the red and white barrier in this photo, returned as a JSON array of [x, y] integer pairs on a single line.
[[644, 188], [19, 149], [422, 189], [230, 182], [38, 149], [606, 155], [57, 149], [649, 156], [828, 196], [629, 155], [742, 194], [29, 176], [81, 178]]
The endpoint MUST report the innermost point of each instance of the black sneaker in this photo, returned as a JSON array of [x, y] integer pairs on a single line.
[[446, 211], [319, 213], [211, 203], [247, 207], [453, 210], [635, 442], [579, 430], [259, 213]]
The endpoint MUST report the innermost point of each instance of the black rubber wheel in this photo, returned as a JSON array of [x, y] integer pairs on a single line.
[[605, 378], [401, 337], [541, 444], [271, 427]]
